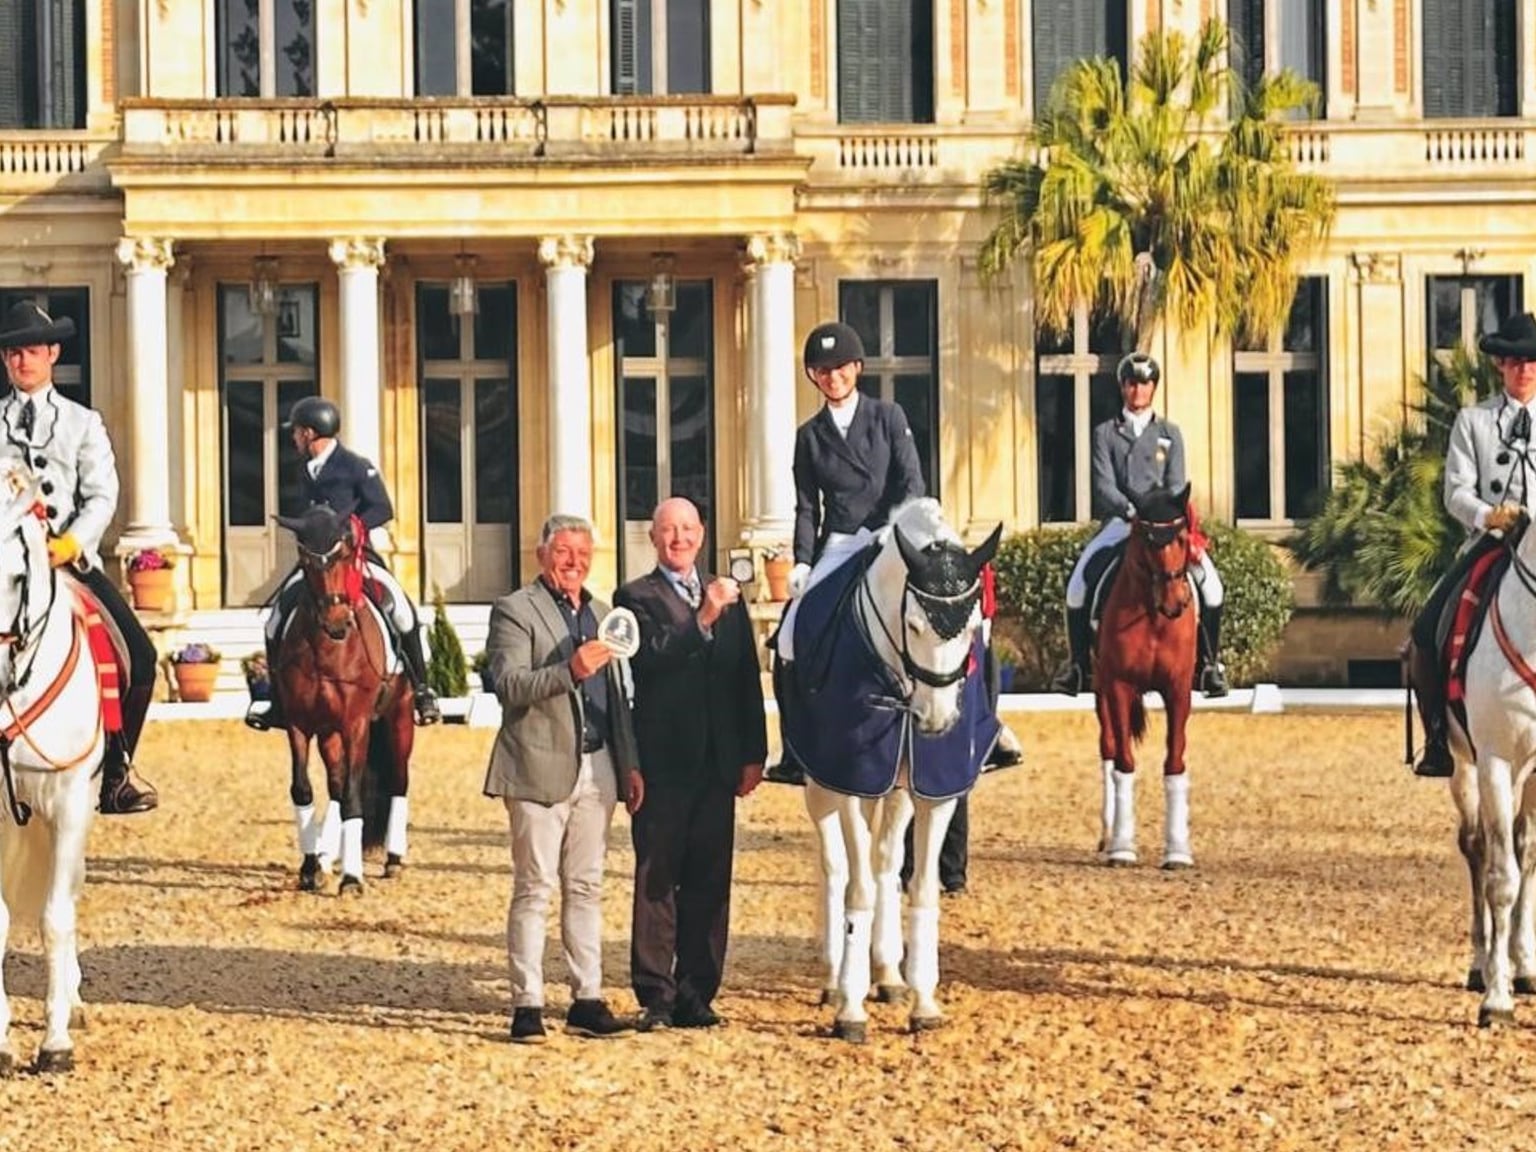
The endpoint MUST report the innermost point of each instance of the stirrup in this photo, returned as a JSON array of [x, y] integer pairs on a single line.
[[1070, 680], [1213, 680], [262, 719], [427, 710]]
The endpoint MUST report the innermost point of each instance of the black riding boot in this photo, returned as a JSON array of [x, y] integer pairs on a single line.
[[271, 716], [788, 770], [121, 794], [427, 711], [1213, 673], [1074, 675], [1428, 683]]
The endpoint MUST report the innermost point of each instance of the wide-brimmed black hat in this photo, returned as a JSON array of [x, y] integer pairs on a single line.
[[1517, 339], [26, 324]]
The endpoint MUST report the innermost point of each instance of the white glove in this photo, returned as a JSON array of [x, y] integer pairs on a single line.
[[798, 575]]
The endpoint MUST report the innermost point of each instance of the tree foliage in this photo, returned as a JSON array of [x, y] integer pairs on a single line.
[[1147, 202], [1383, 537], [447, 669]]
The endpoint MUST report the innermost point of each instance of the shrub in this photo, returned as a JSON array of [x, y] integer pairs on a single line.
[[149, 560], [196, 654], [254, 665], [1032, 572], [447, 669]]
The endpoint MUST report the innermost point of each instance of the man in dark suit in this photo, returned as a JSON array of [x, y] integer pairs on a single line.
[[699, 725]]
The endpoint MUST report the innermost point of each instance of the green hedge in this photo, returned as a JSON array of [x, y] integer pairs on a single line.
[[447, 669], [1032, 572]]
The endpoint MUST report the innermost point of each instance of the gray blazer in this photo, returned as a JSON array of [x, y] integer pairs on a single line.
[[537, 752], [70, 450], [1123, 463], [1480, 469]]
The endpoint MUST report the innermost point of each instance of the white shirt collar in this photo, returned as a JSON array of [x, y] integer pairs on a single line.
[[1137, 420], [842, 418], [318, 462]]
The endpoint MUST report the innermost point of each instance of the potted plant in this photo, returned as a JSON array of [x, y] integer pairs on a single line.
[[149, 580], [258, 679], [777, 565], [481, 666], [196, 668], [1006, 654]]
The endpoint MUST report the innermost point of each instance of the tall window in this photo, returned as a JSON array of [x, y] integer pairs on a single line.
[[1464, 309], [72, 372], [464, 47], [660, 46], [1280, 414], [1066, 31], [1074, 390], [42, 64], [1277, 35], [266, 48], [1471, 58], [885, 61], [898, 323]]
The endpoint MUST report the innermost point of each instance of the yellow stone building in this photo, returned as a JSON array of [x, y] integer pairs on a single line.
[[561, 255]]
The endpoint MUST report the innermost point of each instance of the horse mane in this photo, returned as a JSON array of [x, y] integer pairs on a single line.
[[922, 521]]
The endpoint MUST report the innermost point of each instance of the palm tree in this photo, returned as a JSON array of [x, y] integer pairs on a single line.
[[1383, 537], [1146, 203]]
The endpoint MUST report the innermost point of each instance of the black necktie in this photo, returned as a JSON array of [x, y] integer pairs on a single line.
[[1520, 428], [29, 415]]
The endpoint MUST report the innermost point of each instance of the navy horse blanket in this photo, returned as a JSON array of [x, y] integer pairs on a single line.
[[843, 714]]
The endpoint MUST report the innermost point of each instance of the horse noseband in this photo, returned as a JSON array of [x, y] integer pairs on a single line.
[[949, 615]]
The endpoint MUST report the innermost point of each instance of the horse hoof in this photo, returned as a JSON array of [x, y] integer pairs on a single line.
[[853, 1031], [1178, 863], [890, 993], [350, 886], [58, 1061], [1495, 1017], [1475, 980], [1121, 859], [925, 1024], [8, 1065], [311, 881], [1525, 986], [394, 867]]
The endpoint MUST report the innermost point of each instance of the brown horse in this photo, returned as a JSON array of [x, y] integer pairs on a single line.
[[335, 686], [1148, 642]]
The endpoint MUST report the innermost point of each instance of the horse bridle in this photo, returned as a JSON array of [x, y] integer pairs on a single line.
[[942, 612], [1159, 535], [322, 562], [23, 633]]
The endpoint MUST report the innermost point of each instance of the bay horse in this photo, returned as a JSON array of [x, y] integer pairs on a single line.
[[1494, 789], [336, 685], [1148, 641], [886, 709], [52, 738]]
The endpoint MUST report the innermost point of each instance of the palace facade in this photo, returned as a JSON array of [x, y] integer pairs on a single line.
[[560, 255]]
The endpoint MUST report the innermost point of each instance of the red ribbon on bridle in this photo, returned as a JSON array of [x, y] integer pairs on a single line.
[[357, 570]]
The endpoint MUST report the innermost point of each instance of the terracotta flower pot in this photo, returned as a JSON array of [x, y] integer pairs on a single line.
[[776, 571], [152, 589], [194, 682]]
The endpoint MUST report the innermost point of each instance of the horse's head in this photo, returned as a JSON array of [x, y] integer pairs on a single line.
[[1160, 548], [25, 583], [330, 557], [939, 601]]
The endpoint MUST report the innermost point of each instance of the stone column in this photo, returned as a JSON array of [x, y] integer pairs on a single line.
[[147, 485], [357, 263], [773, 365], [566, 260]]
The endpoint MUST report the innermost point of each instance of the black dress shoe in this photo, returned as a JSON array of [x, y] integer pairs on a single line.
[[696, 1016], [591, 1018], [528, 1026], [655, 1019], [427, 710], [786, 771], [122, 795], [1002, 758]]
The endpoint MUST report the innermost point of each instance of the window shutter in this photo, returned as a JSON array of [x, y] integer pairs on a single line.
[[858, 61], [1470, 58], [631, 47], [12, 112], [1245, 22], [64, 60], [1067, 31], [895, 71], [1503, 50]]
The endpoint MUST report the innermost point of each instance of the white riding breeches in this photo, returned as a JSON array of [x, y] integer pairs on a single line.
[[837, 550], [1207, 579], [402, 611]]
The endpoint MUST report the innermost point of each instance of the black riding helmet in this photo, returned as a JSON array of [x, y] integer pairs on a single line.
[[1140, 367], [317, 414], [832, 346]]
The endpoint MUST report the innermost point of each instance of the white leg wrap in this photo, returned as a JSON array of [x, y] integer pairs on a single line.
[[1176, 849], [352, 847], [308, 830], [923, 957], [887, 929], [855, 976], [1107, 827], [399, 818], [1122, 839], [329, 845]]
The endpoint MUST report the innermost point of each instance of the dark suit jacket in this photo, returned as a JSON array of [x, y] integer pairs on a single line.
[[1124, 463], [844, 485], [698, 707], [350, 484]]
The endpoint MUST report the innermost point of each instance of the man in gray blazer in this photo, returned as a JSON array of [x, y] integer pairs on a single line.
[[66, 444], [1136, 451], [565, 751], [1488, 481]]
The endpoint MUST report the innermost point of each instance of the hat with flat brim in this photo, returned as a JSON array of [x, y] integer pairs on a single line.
[[26, 324], [1516, 340]]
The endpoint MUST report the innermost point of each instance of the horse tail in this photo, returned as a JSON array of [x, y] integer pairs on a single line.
[[1138, 719], [378, 783], [27, 864]]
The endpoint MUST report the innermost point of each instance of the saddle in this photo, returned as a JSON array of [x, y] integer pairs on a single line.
[[109, 652], [1461, 622]]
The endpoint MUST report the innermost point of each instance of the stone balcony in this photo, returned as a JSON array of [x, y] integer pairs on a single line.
[[54, 161]]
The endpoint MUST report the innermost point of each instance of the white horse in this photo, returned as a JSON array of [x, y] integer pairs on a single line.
[[51, 746], [916, 608]]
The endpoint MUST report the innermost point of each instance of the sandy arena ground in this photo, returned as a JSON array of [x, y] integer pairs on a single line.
[[1299, 990]]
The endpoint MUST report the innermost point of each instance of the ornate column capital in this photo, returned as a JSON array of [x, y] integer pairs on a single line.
[[773, 248], [358, 252], [1377, 267], [146, 253], [567, 251]]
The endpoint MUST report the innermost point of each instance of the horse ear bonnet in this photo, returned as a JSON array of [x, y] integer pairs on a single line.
[[946, 587], [321, 529]]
